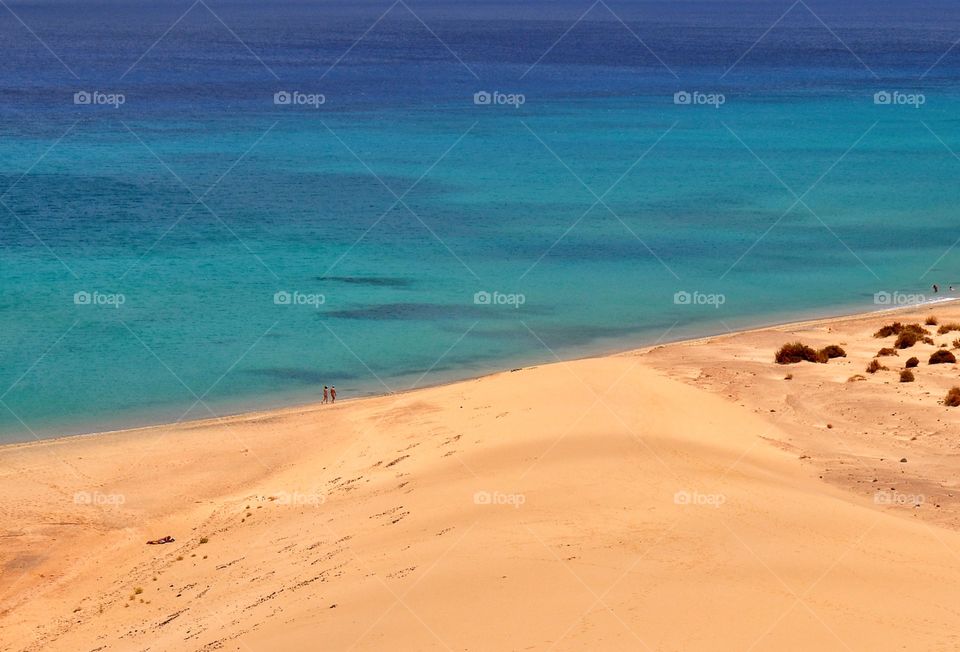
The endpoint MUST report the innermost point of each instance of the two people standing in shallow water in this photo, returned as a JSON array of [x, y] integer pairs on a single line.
[[329, 393]]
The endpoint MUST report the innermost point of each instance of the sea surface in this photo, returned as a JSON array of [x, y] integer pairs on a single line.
[[215, 206]]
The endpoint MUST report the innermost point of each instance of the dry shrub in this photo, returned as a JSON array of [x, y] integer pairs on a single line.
[[875, 366], [855, 378], [832, 351], [910, 336], [956, 343], [797, 352], [886, 351], [946, 328], [942, 357], [953, 397], [930, 321], [912, 362], [906, 376], [896, 328], [889, 329]]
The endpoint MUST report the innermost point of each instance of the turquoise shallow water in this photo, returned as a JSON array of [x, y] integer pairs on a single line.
[[399, 199]]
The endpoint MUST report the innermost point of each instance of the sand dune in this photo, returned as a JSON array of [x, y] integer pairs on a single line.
[[626, 502]]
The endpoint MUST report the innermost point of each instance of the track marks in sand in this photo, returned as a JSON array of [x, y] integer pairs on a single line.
[[400, 574], [395, 515]]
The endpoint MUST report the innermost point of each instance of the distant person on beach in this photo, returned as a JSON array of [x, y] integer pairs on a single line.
[[936, 288], [333, 394], [325, 393]]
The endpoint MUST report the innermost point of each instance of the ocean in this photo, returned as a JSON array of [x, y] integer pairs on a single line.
[[214, 207]]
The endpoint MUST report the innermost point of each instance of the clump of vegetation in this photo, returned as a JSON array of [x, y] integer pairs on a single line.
[[856, 378], [204, 540], [832, 351], [906, 376], [931, 321], [886, 351], [896, 328], [889, 329], [909, 336], [942, 357], [946, 328], [797, 352], [788, 377], [875, 366], [927, 340], [956, 343], [953, 397], [912, 362]]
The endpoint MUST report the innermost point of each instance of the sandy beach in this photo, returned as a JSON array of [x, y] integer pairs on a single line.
[[681, 497]]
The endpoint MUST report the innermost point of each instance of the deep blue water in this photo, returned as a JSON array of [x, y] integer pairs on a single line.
[[598, 199]]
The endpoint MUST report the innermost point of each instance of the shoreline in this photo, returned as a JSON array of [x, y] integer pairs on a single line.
[[252, 415], [247, 415]]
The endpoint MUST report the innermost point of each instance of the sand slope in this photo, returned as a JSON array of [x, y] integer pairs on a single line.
[[596, 504]]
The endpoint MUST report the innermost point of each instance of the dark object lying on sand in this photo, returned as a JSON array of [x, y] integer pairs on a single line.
[[157, 542]]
